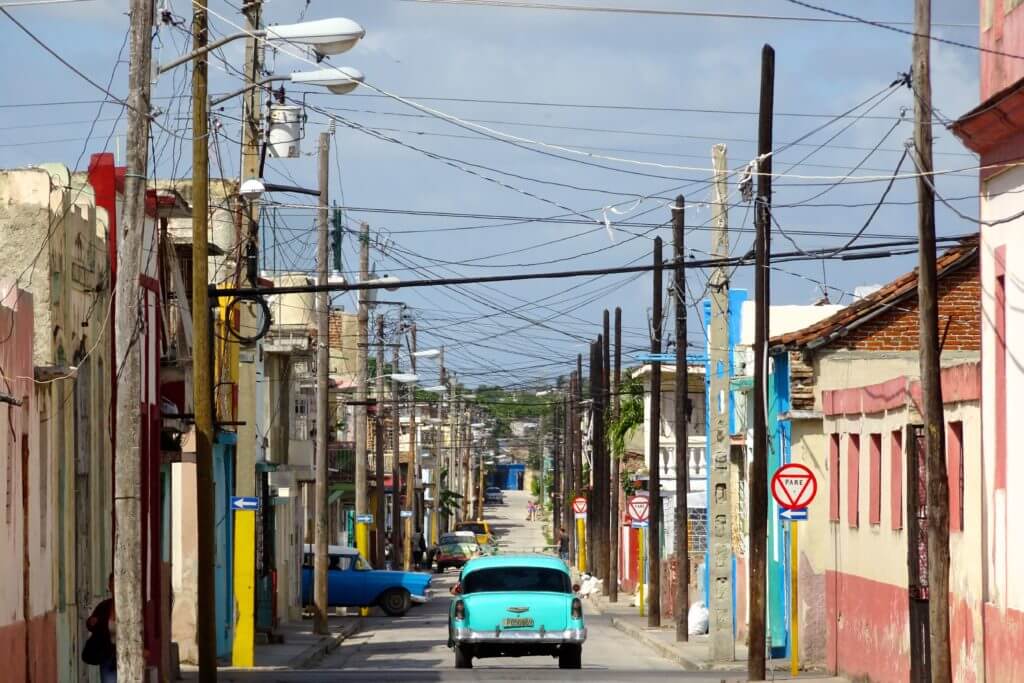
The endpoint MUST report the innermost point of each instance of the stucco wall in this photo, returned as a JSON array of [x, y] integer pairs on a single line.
[[1002, 30]]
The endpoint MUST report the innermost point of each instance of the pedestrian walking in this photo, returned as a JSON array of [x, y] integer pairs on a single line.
[[419, 547], [389, 553], [563, 544], [530, 510], [100, 648]]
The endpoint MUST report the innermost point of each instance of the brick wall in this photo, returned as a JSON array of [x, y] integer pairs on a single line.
[[897, 329]]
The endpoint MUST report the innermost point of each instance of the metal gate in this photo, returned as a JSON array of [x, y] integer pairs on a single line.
[[917, 553]]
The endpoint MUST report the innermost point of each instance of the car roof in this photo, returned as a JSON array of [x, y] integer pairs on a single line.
[[517, 560]]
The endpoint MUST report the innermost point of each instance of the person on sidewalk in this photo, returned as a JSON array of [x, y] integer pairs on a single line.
[[419, 547], [563, 544], [100, 649]]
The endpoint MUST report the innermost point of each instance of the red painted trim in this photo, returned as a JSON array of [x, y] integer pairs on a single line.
[[1004, 633], [959, 383], [149, 282], [875, 481], [853, 480], [896, 479], [955, 474], [866, 628]]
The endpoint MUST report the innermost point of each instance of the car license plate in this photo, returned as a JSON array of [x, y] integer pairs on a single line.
[[517, 622]]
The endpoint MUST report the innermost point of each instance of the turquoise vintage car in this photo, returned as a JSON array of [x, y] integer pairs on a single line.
[[516, 606]]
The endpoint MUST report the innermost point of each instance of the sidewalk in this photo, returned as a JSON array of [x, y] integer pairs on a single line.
[[299, 648], [693, 655]]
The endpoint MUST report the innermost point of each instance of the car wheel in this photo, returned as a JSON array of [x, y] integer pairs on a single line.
[[570, 657], [395, 602], [439, 570], [463, 659]]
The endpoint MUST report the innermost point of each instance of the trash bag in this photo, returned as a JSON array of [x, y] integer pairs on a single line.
[[697, 619]]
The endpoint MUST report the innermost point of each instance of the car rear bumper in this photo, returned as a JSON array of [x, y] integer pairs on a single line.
[[568, 636]]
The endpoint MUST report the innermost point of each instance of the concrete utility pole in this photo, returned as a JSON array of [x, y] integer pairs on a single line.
[[363, 319], [759, 469], [412, 523], [615, 515], [569, 489], [593, 500], [379, 445], [127, 462], [557, 422], [931, 384], [202, 352], [245, 521], [723, 644], [435, 475], [682, 392], [654, 445], [396, 462], [320, 559]]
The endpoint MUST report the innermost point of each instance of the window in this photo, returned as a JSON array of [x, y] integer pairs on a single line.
[[875, 481], [955, 474], [896, 479], [833, 477], [853, 480], [516, 579]]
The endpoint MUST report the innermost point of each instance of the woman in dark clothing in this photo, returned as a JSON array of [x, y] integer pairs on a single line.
[[103, 626]]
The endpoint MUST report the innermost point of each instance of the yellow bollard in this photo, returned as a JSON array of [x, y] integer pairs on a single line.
[[581, 544], [794, 606], [243, 645], [363, 546]]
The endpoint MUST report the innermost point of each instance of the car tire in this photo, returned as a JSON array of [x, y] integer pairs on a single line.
[[395, 602], [463, 658], [570, 657], [439, 570]]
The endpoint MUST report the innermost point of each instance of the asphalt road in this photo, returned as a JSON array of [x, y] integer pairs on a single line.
[[413, 648]]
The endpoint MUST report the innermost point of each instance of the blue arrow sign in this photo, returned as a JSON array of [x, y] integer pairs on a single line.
[[245, 503], [639, 525], [794, 515], [365, 519]]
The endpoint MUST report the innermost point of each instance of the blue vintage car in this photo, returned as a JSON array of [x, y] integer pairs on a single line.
[[352, 582], [516, 606]]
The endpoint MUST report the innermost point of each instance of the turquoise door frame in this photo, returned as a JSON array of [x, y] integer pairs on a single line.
[[780, 438], [224, 485]]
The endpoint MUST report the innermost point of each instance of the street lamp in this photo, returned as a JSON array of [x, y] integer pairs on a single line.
[[340, 81], [427, 353]]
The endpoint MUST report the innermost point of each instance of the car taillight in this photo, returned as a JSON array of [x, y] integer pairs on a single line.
[[577, 609], [460, 610]]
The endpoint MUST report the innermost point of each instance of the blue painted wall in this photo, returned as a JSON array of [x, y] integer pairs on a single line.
[[224, 485], [779, 438], [508, 477]]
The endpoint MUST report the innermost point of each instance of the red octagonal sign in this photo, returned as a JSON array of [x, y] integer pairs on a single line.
[[794, 486]]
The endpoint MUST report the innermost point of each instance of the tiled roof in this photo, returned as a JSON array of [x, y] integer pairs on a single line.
[[903, 287]]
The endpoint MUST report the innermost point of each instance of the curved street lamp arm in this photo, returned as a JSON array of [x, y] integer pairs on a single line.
[[163, 68], [263, 81]]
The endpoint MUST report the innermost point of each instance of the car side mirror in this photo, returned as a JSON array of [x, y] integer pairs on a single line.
[[457, 589], [575, 588]]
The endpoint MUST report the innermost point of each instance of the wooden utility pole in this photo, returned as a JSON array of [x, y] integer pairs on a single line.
[[606, 557], [435, 474], [759, 468], [556, 468], [362, 343], [378, 442], [412, 471], [720, 541], [614, 515], [654, 446], [396, 462], [931, 384], [682, 393], [202, 353], [569, 490], [127, 462], [320, 530]]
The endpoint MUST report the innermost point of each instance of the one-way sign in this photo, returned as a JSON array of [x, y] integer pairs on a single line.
[[794, 515], [245, 503]]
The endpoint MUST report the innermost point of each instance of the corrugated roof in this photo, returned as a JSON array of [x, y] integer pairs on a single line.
[[901, 288]]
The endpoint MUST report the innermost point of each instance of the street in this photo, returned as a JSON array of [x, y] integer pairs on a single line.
[[413, 647]]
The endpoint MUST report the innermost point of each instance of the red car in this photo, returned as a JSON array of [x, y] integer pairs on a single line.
[[455, 555]]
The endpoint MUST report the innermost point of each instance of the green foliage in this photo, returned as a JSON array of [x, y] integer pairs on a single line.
[[630, 417]]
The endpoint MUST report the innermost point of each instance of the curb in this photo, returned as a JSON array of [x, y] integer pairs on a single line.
[[661, 648], [328, 644]]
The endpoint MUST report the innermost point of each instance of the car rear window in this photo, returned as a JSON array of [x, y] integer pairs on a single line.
[[500, 579]]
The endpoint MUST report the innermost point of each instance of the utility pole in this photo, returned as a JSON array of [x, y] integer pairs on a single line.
[[931, 384], [682, 392], [569, 490], [412, 472], [202, 352], [654, 445], [759, 468], [615, 516], [396, 462], [606, 557], [577, 456], [127, 475], [320, 604], [557, 422], [362, 531], [593, 500], [246, 480], [379, 444], [435, 475], [720, 618]]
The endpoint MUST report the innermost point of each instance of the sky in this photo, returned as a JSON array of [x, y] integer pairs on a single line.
[[643, 91]]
